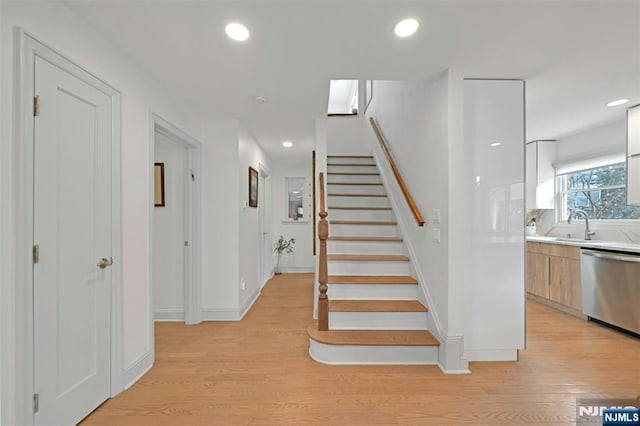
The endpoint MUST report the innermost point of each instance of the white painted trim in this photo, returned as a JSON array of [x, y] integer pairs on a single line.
[[451, 371], [372, 355], [249, 303], [168, 315], [139, 368], [26, 48], [492, 355], [193, 217], [220, 314], [296, 269]]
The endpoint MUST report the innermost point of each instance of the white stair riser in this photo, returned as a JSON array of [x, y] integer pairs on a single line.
[[377, 320], [374, 355], [353, 169], [353, 178], [350, 160], [348, 267], [365, 247], [355, 189], [337, 230], [372, 292], [358, 201], [379, 215]]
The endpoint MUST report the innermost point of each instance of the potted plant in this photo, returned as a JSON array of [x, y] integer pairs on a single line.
[[282, 246]]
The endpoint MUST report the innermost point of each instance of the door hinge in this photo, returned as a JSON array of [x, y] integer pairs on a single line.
[[186, 243], [36, 402], [36, 253], [36, 106], [193, 176]]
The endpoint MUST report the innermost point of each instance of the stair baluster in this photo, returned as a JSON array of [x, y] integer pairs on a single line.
[[323, 234]]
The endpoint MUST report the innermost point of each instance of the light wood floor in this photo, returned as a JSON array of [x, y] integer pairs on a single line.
[[258, 371]]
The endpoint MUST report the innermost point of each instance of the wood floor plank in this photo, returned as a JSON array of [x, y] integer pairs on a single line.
[[258, 372], [369, 257], [367, 279], [376, 306], [372, 337]]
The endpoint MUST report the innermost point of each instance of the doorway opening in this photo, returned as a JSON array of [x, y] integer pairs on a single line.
[[175, 225], [264, 213]]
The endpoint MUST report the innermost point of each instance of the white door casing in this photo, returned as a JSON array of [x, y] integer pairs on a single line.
[[72, 230], [264, 213]]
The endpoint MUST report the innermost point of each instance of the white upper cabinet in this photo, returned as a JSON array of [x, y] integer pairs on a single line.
[[633, 155], [540, 174]]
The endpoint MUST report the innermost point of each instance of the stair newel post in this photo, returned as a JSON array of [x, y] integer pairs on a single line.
[[323, 234]]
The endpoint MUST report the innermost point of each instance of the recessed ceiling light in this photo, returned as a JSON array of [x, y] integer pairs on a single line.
[[496, 144], [237, 32], [406, 27], [618, 102], [287, 144]]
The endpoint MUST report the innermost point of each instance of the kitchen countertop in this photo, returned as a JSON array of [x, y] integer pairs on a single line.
[[593, 244]]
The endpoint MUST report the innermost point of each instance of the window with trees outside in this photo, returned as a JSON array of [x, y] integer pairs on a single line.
[[599, 191]]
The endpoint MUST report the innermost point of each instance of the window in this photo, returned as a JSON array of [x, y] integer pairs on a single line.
[[599, 191], [295, 198]]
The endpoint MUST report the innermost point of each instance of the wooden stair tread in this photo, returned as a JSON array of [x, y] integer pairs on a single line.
[[374, 239], [376, 306], [369, 257], [358, 208], [354, 174], [372, 337], [358, 195], [355, 183], [349, 156], [363, 222], [372, 279]]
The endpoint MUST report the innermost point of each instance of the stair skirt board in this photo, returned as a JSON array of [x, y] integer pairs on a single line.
[[372, 355], [365, 247], [372, 292], [377, 320]]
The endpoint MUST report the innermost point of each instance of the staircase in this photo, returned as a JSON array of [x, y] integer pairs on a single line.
[[375, 316]]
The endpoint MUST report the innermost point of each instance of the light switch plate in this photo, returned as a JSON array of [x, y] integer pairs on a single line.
[[436, 235], [436, 215]]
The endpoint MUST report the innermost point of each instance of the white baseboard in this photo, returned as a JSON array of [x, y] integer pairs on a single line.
[[492, 355], [296, 269], [139, 368], [169, 315], [220, 314], [249, 303]]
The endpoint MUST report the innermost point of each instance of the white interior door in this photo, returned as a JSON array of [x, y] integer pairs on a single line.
[[264, 212], [72, 228]]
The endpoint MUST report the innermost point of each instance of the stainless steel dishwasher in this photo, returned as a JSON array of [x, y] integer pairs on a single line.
[[611, 288]]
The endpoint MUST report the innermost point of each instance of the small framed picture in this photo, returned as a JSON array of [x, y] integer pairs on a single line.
[[253, 187], [159, 185]]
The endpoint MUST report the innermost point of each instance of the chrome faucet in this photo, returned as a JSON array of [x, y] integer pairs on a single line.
[[587, 232]]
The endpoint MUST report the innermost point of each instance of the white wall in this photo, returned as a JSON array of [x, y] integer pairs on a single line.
[[494, 208], [58, 27], [414, 117], [302, 260], [250, 155], [598, 141], [168, 233], [344, 135]]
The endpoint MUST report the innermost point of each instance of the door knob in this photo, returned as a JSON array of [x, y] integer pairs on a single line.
[[104, 262]]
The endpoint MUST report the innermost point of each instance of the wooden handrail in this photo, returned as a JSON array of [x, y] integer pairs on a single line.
[[323, 234], [405, 190]]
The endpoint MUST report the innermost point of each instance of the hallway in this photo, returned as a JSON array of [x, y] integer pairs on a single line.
[[258, 371]]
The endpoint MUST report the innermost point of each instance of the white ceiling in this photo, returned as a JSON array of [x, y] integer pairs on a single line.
[[575, 55]]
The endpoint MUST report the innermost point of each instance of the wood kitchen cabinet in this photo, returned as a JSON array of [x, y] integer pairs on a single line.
[[557, 267]]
